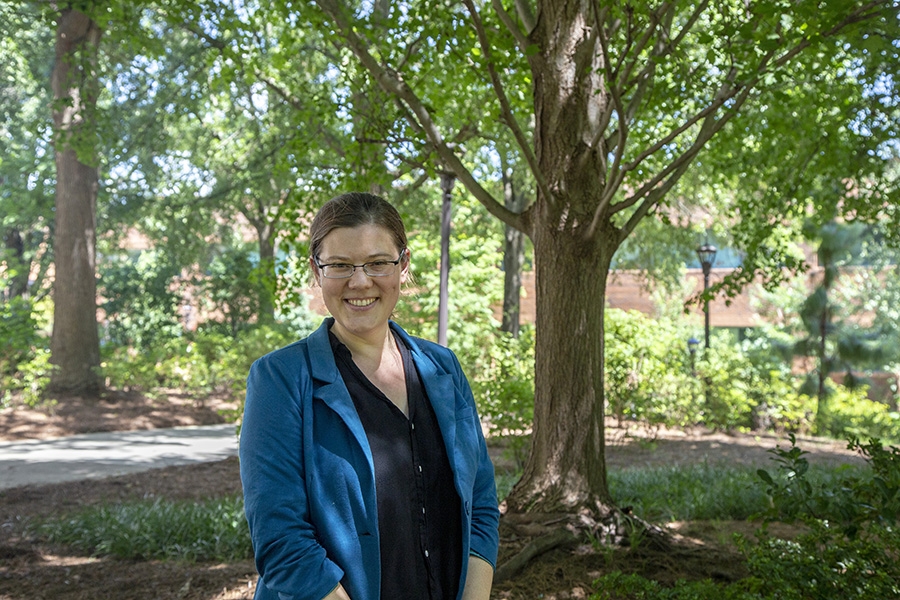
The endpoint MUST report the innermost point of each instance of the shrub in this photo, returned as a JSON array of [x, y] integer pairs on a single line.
[[646, 376], [851, 548], [850, 413], [24, 358], [18, 330], [203, 362]]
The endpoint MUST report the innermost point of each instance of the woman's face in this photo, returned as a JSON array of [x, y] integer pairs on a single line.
[[361, 305]]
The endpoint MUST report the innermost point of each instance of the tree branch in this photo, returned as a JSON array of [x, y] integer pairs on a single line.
[[507, 20], [393, 83], [508, 116], [525, 13]]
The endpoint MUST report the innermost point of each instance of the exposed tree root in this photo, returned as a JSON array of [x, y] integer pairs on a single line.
[[536, 547], [551, 531]]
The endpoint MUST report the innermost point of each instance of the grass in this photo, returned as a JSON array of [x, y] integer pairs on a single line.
[[689, 493], [702, 491], [216, 530]]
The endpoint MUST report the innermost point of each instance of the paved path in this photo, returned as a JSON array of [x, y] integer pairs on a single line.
[[96, 455]]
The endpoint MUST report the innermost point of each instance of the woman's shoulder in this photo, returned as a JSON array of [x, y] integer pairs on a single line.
[[433, 350], [295, 351]]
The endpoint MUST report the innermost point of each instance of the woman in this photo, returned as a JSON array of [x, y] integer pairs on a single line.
[[364, 467]]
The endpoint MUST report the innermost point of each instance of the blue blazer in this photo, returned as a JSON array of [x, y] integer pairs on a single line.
[[309, 479]]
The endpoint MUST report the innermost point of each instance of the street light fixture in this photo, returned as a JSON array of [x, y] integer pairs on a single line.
[[707, 255], [692, 350]]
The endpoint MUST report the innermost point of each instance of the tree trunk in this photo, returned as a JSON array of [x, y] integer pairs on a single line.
[[267, 275], [75, 345], [513, 259], [15, 257], [566, 469]]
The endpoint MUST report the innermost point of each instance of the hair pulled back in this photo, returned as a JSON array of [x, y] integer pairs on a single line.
[[352, 210]]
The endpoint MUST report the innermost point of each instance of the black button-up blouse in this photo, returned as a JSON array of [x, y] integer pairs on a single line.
[[419, 521]]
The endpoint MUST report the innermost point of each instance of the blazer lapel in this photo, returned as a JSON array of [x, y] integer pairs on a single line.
[[441, 393], [331, 389]]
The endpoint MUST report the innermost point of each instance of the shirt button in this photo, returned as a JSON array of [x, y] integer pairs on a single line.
[[423, 510], [420, 468], [426, 554], [412, 426]]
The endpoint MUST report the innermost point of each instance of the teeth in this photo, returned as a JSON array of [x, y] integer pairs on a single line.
[[361, 302]]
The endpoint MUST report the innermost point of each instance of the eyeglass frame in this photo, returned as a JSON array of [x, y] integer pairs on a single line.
[[362, 266]]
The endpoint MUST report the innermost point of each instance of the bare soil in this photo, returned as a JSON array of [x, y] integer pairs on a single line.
[[33, 570]]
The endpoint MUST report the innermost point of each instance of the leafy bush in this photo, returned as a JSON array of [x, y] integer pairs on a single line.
[[139, 299], [215, 530], [24, 357], [851, 502], [202, 362], [18, 330], [851, 548], [850, 413], [503, 382], [646, 376], [825, 564]]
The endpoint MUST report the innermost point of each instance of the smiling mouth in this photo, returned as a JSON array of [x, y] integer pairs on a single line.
[[361, 302]]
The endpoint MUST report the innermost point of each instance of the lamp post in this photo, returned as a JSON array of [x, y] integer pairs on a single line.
[[707, 255], [447, 181], [692, 350]]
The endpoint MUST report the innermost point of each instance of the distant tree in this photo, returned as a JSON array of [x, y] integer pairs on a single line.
[[833, 339], [26, 153], [75, 343]]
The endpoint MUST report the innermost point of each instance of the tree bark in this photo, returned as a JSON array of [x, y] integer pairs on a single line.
[[566, 468], [75, 344], [265, 237]]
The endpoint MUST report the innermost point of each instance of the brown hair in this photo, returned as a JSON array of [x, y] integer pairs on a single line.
[[352, 210]]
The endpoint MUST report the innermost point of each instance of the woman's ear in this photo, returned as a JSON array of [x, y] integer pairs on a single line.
[[314, 269], [404, 266]]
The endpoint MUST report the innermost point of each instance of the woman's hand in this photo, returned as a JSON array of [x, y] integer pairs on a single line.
[[478, 580], [338, 593]]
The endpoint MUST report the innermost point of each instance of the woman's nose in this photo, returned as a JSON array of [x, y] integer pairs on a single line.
[[359, 278]]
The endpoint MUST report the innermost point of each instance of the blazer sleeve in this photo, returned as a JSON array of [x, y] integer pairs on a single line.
[[484, 532], [290, 561]]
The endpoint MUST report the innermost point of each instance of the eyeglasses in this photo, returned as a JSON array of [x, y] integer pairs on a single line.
[[376, 268]]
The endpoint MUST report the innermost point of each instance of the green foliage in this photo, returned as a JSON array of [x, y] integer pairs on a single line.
[[848, 549], [830, 336], [503, 383], [848, 412], [687, 492], [201, 363], [18, 330], [140, 300], [214, 530], [24, 358], [621, 586], [647, 378], [824, 564], [851, 504], [231, 287]]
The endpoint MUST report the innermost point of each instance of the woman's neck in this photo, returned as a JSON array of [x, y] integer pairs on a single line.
[[370, 349]]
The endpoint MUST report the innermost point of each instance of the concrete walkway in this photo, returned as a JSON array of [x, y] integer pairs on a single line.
[[96, 455]]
